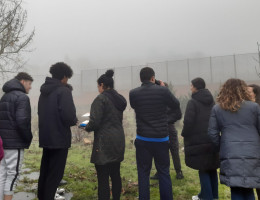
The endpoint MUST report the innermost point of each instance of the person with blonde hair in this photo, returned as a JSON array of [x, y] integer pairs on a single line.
[[234, 128]]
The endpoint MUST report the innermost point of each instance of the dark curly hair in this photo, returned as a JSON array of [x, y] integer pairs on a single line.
[[256, 90], [107, 79], [23, 76], [61, 70], [232, 94]]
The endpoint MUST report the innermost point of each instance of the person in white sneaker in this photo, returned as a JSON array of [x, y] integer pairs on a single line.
[[15, 131]]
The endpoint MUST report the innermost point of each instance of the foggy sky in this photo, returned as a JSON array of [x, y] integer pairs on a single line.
[[115, 33]]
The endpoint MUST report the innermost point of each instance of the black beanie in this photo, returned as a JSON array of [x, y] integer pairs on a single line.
[[198, 83]]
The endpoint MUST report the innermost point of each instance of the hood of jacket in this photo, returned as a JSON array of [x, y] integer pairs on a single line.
[[13, 85], [118, 100], [50, 85], [203, 96]]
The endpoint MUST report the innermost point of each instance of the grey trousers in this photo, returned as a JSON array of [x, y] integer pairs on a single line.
[[10, 169]]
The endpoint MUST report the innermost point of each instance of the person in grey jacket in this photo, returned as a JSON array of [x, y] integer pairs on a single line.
[[234, 128]]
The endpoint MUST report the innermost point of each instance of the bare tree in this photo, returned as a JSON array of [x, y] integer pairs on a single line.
[[13, 40]]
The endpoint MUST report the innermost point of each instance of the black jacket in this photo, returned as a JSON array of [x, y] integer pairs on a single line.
[[150, 102], [57, 114], [174, 115], [199, 151], [106, 117], [236, 134], [15, 116]]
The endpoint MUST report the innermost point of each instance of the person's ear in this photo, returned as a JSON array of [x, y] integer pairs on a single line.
[[153, 79]]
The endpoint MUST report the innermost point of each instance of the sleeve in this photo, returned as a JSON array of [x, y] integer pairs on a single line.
[[96, 115], [258, 119], [214, 130], [174, 115], [131, 100], [67, 108], [189, 118], [23, 117], [171, 101], [1, 149]]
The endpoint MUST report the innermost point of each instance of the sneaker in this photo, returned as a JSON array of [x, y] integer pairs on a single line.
[[63, 182], [155, 177], [58, 197], [60, 191], [179, 175], [195, 197]]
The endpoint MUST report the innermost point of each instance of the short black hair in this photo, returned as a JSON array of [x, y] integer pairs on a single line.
[[61, 70], [107, 79], [146, 74], [23, 76], [198, 83]]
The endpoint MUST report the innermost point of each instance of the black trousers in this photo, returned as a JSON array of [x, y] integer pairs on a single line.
[[52, 170], [174, 147], [111, 170]]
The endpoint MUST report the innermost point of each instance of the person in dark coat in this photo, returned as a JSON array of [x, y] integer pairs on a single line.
[[199, 151], [150, 102], [1, 150], [254, 91], [106, 118], [173, 116], [234, 129], [15, 131], [57, 113]]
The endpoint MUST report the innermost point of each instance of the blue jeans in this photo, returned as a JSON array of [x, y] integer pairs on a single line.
[[209, 185], [145, 153], [242, 193]]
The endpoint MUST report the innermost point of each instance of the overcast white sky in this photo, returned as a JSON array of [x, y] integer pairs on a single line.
[[115, 33]]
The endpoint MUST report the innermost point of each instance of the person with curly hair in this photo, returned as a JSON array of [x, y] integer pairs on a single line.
[[57, 113], [234, 129]]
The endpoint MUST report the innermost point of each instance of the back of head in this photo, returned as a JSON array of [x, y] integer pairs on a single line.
[[23, 76], [198, 83], [61, 70], [232, 94], [146, 74], [107, 79]]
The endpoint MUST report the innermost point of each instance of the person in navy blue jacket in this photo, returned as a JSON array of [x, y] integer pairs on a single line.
[[150, 102]]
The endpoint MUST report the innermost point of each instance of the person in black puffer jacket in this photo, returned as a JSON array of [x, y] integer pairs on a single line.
[[199, 151], [150, 102], [15, 130], [234, 129], [57, 114], [173, 117], [106, 117]]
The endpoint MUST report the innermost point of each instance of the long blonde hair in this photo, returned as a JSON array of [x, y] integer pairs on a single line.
[[232, 94]]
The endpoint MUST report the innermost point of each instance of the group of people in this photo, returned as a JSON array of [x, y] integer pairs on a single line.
[[224, 134]]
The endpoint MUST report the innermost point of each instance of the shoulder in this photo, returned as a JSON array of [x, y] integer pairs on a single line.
[[22, 96]]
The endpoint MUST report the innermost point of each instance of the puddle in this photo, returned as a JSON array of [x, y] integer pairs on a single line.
[[31, 196], [24, 196], [32, 176]]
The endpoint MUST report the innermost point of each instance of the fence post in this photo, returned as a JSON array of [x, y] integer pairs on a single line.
[[167, 76], [211, 71], [188, 65], [235, 65], [81, 81], [132, 76]]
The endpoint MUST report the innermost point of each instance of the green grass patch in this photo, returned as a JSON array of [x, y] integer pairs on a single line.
[[82, 179]]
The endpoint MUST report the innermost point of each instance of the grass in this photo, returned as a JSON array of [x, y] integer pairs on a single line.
[[82, 180]]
